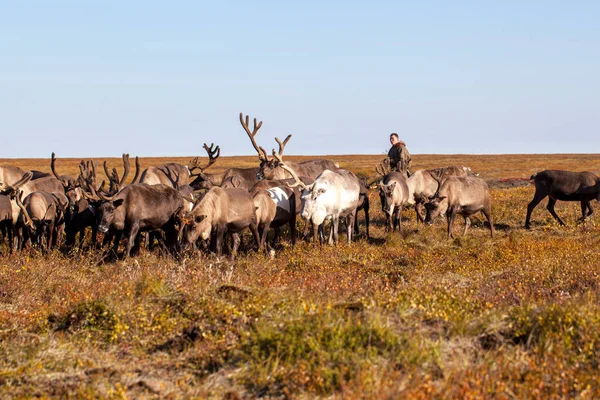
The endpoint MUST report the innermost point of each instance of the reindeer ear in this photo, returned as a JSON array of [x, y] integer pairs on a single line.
[[118, 202]]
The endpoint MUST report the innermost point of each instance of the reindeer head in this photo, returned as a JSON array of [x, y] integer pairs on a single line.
[[197, 171], [435, 206]]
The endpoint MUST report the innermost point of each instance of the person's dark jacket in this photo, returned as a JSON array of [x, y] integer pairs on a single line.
[[399, 157]]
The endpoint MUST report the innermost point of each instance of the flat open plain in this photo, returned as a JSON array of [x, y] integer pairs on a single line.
[[411, 315]]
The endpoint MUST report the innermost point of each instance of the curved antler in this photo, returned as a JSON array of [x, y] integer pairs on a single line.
[[213, 155], [282, 145], [137, 170], [117, 183], [288, 169], [53, 168], [262, 154], [383, 168], [19, 201]]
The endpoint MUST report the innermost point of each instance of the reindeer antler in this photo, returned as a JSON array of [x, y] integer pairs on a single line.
[[383, 168], [53, 168], [19, 200], [88, 182], [213, 155], [288, 169], [282, 145], [117, 183], [262, 154]]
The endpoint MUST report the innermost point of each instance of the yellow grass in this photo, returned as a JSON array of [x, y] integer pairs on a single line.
[[410, 315]]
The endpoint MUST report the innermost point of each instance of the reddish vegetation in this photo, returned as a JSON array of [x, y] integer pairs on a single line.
[[412, 315]]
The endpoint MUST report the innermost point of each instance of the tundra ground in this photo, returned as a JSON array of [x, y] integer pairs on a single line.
[[411, 315]]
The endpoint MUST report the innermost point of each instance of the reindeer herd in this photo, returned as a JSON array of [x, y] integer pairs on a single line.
[[182, 207]]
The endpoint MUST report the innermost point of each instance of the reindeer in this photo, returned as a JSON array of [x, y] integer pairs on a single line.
[[221, 210], [460, 195], [163, 174], [41, 213], [10, 175], [275, 207], [393, 193], [270, 168], [333, 195], [424, 184], [565, 186], [6, 220], [232, 177], [135, 208]]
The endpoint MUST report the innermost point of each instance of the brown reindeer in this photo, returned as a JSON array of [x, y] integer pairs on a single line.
[[6, 220], [41, 215], [221, 210], [460, 195]]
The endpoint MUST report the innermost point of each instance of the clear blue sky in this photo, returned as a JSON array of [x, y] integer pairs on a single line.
[[98, 78]]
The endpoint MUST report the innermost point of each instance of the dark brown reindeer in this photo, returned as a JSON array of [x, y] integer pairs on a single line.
[[137, 207], [565, 186], [270, 167], [6, 221]]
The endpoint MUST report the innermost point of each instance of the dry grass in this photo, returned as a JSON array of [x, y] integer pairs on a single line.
[[412, 315]]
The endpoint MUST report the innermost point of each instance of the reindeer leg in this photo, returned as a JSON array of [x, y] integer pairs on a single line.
[[292, 224], [315, 233], [257, 237], [550, 207], [399, 219], [536, 200], [236, 244], [366, 208], [305, 233], [351, 219], [219, 240], [117, 239], [586, 209], [94, 236], [51, 237], [420, 217], [11, 239], [276, 233], [488, 215], [450, 216], [467, 225], [336, 222], [133, 231]]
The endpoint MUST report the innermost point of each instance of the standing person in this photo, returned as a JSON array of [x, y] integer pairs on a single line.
[[398, 155]]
